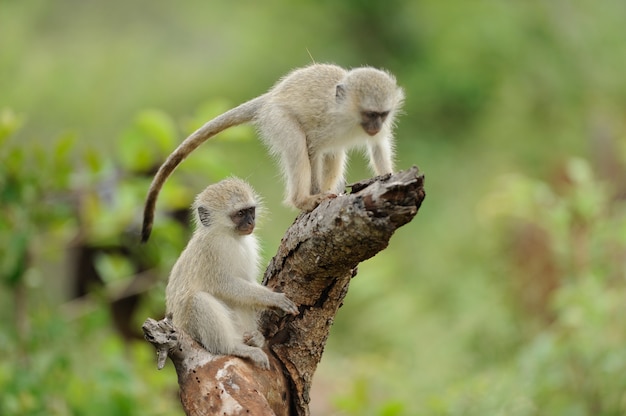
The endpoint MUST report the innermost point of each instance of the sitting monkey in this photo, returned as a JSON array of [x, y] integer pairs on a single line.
[[212, 291]]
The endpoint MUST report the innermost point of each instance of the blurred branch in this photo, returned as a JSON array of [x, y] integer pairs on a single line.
[[315, 262]]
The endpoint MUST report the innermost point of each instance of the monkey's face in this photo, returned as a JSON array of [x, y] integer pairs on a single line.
[[372, 121], [243, 220]]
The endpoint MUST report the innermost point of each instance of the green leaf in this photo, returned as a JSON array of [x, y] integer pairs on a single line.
[[159, 127], [94, 162], [10, 122], [152, 136], [16, 260]]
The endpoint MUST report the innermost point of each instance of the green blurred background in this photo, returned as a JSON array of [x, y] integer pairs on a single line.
[[504, 296]]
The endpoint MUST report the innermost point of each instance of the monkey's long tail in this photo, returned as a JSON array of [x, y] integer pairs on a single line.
[[238, 115]]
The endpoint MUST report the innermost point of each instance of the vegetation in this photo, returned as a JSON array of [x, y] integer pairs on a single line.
[[503, 296]]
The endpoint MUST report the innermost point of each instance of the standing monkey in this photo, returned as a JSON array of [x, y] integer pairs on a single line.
[[309, 119], [212, 292]]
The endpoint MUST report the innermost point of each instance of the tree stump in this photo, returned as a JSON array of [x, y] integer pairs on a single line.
[[316, 259]]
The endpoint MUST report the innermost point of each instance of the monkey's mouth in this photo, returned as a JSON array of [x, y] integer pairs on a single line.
[[370, 129], [245, 230]]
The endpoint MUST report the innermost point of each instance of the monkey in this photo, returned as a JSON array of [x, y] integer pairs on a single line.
[[212, 292], [308, 120]]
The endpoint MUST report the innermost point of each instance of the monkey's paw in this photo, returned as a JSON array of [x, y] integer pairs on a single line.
[[260, 358], [286, 304], [256, 354], [310, 203]]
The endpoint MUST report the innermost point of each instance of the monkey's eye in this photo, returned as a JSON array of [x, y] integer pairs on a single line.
[[240, 213], [373, 115]]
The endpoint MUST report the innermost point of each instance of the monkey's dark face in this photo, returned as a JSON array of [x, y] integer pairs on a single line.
[[372, 121], [244, 220]]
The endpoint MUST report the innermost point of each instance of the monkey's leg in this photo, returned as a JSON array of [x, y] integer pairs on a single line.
[[299, 174], [287, 139], [332, 179], [317, 173], [211, 324], [381, 154], [248, 324], [304, 176]]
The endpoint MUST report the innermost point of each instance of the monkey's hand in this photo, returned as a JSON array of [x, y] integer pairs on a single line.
[[284, 303]]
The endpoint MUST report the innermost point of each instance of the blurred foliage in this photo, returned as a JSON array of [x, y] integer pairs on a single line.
[[503, 296], [573, 363]]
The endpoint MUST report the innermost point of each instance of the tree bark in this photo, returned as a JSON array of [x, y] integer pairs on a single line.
[[316, 259]]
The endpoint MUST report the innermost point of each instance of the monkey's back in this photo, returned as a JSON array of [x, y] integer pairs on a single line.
[[306, 89], [311, 80]]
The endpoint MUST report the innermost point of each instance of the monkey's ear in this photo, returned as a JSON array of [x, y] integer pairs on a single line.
[[340, 92], [204, 215]]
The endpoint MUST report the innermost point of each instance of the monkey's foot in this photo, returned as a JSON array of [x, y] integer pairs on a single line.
[[256, 354], [309, 203], [253, 339]]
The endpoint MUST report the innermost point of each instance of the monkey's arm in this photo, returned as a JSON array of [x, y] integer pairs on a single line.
[[242, 292], [381, 156]]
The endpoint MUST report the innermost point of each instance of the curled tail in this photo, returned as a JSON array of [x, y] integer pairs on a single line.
[[238, 115]]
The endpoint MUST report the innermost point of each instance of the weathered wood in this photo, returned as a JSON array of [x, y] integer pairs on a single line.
[[316, 259], [214, 384]]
